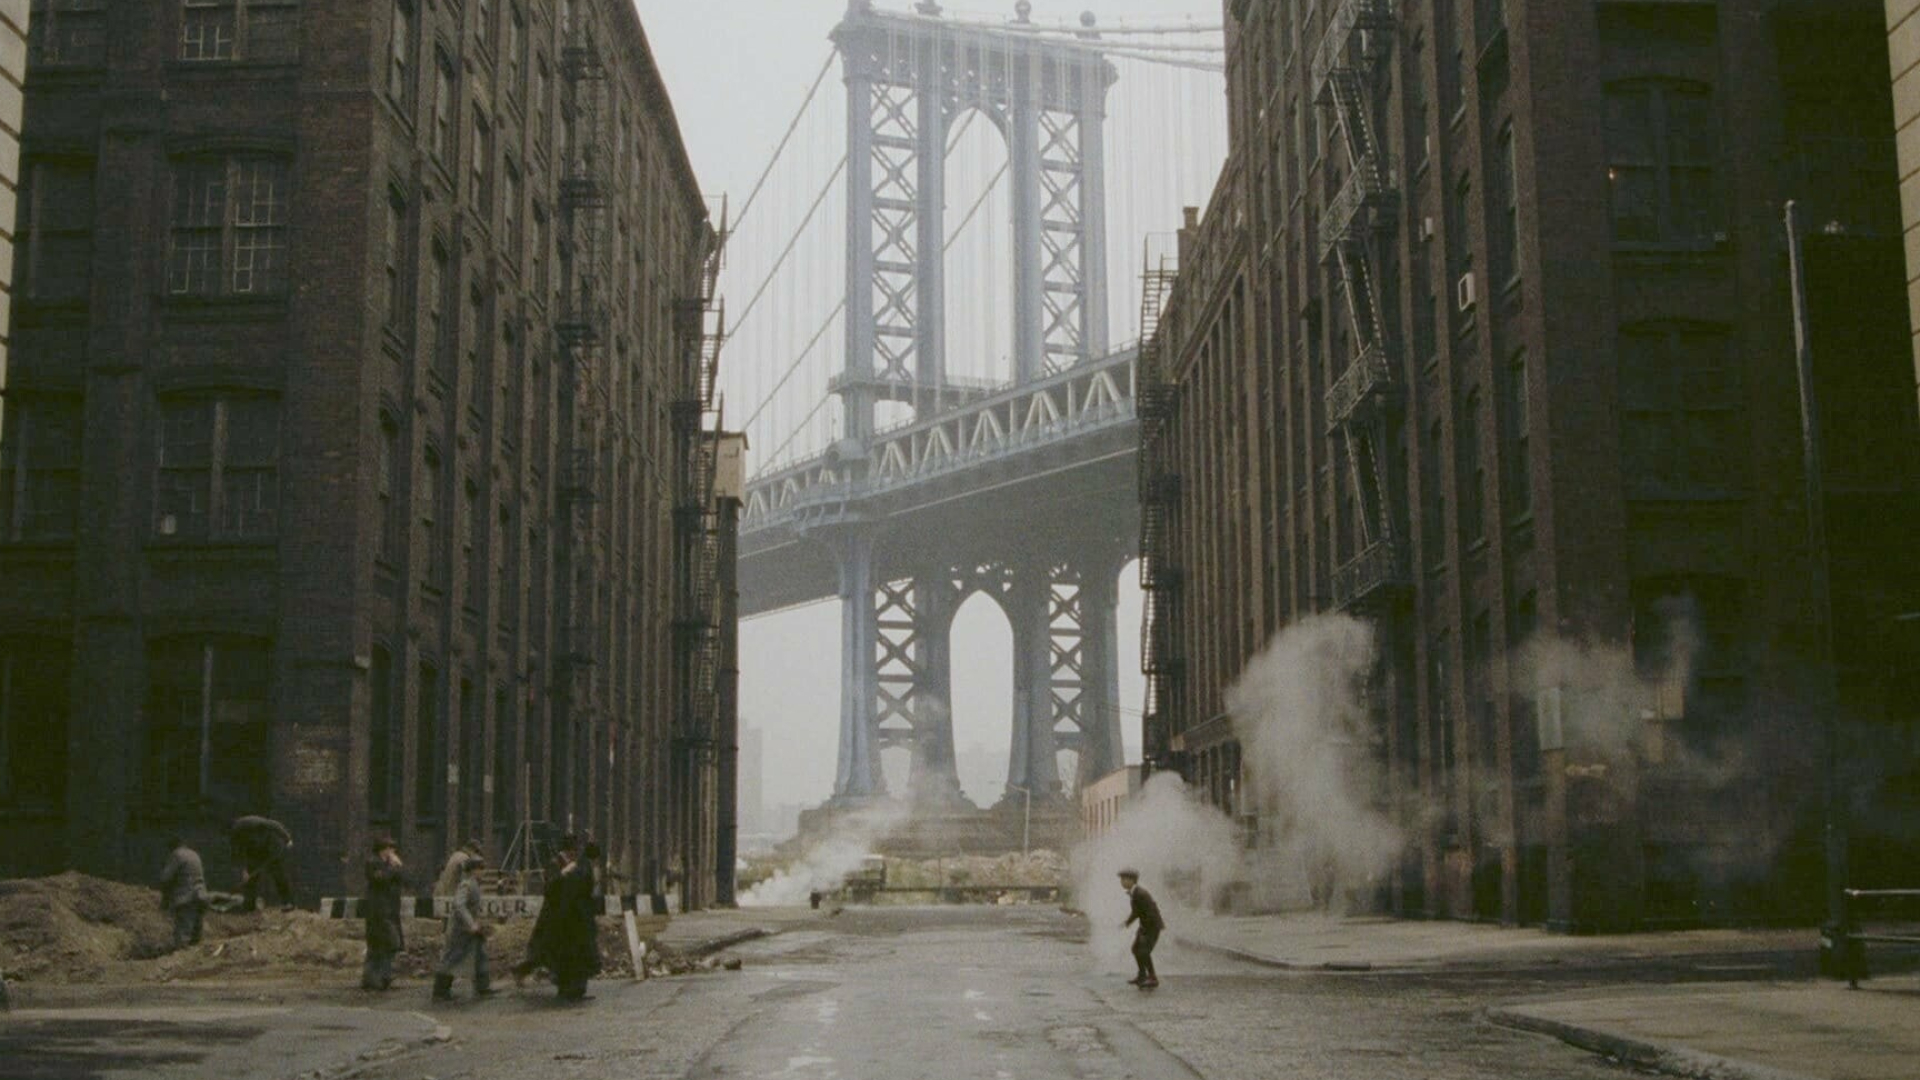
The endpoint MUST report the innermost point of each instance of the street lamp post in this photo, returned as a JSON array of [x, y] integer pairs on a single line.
[[1815, 496]]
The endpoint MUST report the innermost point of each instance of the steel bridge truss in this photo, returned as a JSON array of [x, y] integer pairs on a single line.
[[909, 80], [1066, 671]]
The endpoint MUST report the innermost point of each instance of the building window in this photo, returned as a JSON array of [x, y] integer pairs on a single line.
[[471, 563], [510, 214], [480, 165], [516, 52], [443, 106], [1506, 209], [1459, 242], [229, 228], [400, 57], [380, 740], [428, 747], [542, 93], [435, 290], [1473, 477], [1516, 418], [207, 724], [432, 513], [55, 234], [40, 469], [1660, 163], [506, 769], [1682, 431], [67, 33], [219, 469], [263, 30], [1434, 524], [392, 542], [36, 693], [537, 257], [483, 24], [396, 260]]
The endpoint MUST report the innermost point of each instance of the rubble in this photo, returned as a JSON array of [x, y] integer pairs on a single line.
[[73, 928], [1036, 868]]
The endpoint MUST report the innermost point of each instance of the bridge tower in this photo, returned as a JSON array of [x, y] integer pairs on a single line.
[[910, 77]]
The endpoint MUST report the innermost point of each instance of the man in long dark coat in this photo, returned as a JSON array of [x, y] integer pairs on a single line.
[[386, 936], [566, 938]]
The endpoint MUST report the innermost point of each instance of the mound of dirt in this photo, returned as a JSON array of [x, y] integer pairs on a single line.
[[73, 927]]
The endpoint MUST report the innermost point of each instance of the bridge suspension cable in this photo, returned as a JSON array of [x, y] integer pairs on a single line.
[[784, 140], [798, 428], [795, 366], [780, 263]]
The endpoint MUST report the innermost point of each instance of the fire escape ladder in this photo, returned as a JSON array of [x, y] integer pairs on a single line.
[[1155, 402], [582, 328]]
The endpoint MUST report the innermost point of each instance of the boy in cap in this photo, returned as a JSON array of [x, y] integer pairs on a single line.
[[1147, 914], [385, 934]]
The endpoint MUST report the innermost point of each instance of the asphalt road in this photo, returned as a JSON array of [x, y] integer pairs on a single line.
[[1007, 994], [953, 993]]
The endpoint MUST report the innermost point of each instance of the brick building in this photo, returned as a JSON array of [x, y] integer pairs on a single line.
[[1486, 336], [357, 465], [13, 76]]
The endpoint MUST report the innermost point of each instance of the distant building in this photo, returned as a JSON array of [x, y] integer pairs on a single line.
[[13, 78], [753, 756], [1485, 336], [355, 468], [1903, 48], [1103, 800]]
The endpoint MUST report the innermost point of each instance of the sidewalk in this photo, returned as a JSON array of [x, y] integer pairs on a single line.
[[1801, 1031], [1321, 942]]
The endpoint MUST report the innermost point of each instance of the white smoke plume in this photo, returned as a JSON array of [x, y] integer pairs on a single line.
[[1310, 752], [826, 864], [1184, 850]]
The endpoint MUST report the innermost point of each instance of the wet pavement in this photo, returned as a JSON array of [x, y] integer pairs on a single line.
[[162, 1041], [1013, 994], [953, 993]]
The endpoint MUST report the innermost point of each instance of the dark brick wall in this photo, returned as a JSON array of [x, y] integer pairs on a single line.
[[1576, 542], [323, 588]]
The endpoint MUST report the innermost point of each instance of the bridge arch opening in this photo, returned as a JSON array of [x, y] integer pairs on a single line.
[[978, 339], [982, 697]]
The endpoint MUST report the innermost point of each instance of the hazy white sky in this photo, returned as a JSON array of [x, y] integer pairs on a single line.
[[737, 71]]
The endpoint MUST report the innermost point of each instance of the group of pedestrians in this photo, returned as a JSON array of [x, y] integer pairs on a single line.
[[566, 936], [565, 942]]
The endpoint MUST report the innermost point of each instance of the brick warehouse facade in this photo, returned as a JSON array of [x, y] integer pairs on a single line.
[[1486, 336], [358, 463]]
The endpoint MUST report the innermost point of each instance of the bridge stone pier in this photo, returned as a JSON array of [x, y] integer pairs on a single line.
[[1024, 492]]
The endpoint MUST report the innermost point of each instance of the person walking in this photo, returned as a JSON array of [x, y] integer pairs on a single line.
[[386, 935], [183, 892], [566, 939], [1147, 914], [260, 846], [449, 880], [466, 936]]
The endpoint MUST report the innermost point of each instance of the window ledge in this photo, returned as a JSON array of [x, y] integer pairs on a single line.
[[216, 548], [1520, 520], [244, 306], [226, 68]]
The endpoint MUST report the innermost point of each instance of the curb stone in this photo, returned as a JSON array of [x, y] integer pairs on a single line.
[[1660, 1057]]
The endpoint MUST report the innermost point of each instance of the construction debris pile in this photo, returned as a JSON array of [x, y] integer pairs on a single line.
[[73, 928], [1033, 869]]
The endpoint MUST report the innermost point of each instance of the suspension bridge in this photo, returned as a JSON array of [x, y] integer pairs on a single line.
[[940, 382]]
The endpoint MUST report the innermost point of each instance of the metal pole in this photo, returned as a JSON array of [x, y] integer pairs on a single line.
[[1815, 494]]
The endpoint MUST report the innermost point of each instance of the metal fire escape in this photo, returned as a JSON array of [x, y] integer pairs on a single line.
[[586, 192], [1155, 399], [699, 644], [1346, 78]]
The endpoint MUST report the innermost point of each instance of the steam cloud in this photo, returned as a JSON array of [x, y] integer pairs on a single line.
[[851, 840]]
